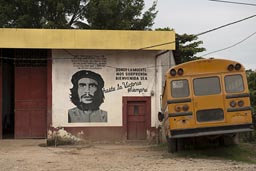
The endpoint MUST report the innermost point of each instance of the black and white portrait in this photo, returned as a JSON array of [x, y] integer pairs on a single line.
[[87, 96]]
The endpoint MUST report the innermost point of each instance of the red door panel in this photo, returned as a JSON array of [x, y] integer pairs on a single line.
[[136, 128], [22, 128], [38, 123], [30, 102]]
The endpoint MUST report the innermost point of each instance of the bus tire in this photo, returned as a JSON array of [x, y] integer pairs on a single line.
[[180, 144], [172, 145], [231, 139]]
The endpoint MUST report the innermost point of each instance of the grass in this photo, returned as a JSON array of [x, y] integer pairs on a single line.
[[244, 152]]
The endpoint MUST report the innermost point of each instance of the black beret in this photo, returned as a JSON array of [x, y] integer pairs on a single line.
[[87, 74]]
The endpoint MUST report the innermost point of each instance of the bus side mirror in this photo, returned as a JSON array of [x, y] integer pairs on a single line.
[[160, 116]]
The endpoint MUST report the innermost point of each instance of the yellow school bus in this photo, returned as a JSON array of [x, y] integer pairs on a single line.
[[205, 97]]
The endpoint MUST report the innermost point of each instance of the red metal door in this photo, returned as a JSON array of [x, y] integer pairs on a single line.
[[136, 118], [30, 102]]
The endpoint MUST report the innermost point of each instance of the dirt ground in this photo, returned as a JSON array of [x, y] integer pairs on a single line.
[[32, 155]]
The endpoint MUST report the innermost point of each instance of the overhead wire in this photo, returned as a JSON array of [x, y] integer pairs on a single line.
[[232, 2], [225, 25], [199, 34], [241, 41]]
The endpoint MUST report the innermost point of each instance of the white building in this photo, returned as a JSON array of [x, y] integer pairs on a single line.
[[40, 64]]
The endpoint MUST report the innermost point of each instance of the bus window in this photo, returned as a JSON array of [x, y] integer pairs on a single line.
[[234, 83], [179, 88], [206, 86]]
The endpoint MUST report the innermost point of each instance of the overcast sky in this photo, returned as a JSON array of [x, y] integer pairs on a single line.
[[196, 16]]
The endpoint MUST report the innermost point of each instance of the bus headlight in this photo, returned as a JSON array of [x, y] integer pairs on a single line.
[[230, 67], [238, 66], [180, 71], [232, 103], [185, 107], [240, 103], [177, 108], [173, 72]]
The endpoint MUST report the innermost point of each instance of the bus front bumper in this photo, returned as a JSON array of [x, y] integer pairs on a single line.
[[205, 131]]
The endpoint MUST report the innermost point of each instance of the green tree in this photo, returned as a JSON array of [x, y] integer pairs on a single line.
[[41, 14], [187, 46], [251, 78], [120, 15], [93, 14], [17, 13]]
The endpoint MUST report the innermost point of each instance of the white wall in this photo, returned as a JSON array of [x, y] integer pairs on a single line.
[[114, 65], [163, 63]]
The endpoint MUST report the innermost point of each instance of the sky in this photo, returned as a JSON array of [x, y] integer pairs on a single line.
[[197, 16]]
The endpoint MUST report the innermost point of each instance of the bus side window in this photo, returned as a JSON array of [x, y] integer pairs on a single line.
[[179, 88], [234, 83]]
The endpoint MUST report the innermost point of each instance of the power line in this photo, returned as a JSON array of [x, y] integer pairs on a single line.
[[217, 28], [231, 2], [202, 33], [241, 41], [148, 47]]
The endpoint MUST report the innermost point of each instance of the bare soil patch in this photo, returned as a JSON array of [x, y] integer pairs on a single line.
[[28, 155]]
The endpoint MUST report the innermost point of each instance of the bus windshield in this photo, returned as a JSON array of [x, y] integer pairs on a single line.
[[206, 86]]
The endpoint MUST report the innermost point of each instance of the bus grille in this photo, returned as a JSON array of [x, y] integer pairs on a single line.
[[210, 115]]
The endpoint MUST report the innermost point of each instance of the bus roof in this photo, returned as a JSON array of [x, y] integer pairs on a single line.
[[206, 66]]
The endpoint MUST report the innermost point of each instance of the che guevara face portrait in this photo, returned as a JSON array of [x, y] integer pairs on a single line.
[[86, 92]]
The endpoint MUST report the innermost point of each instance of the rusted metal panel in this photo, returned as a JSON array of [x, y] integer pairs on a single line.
[[30, 102]]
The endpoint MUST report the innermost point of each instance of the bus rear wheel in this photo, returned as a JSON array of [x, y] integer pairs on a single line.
[[231, 139], [172, 145]]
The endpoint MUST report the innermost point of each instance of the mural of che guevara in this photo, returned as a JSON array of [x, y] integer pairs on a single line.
[[87, 95]]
